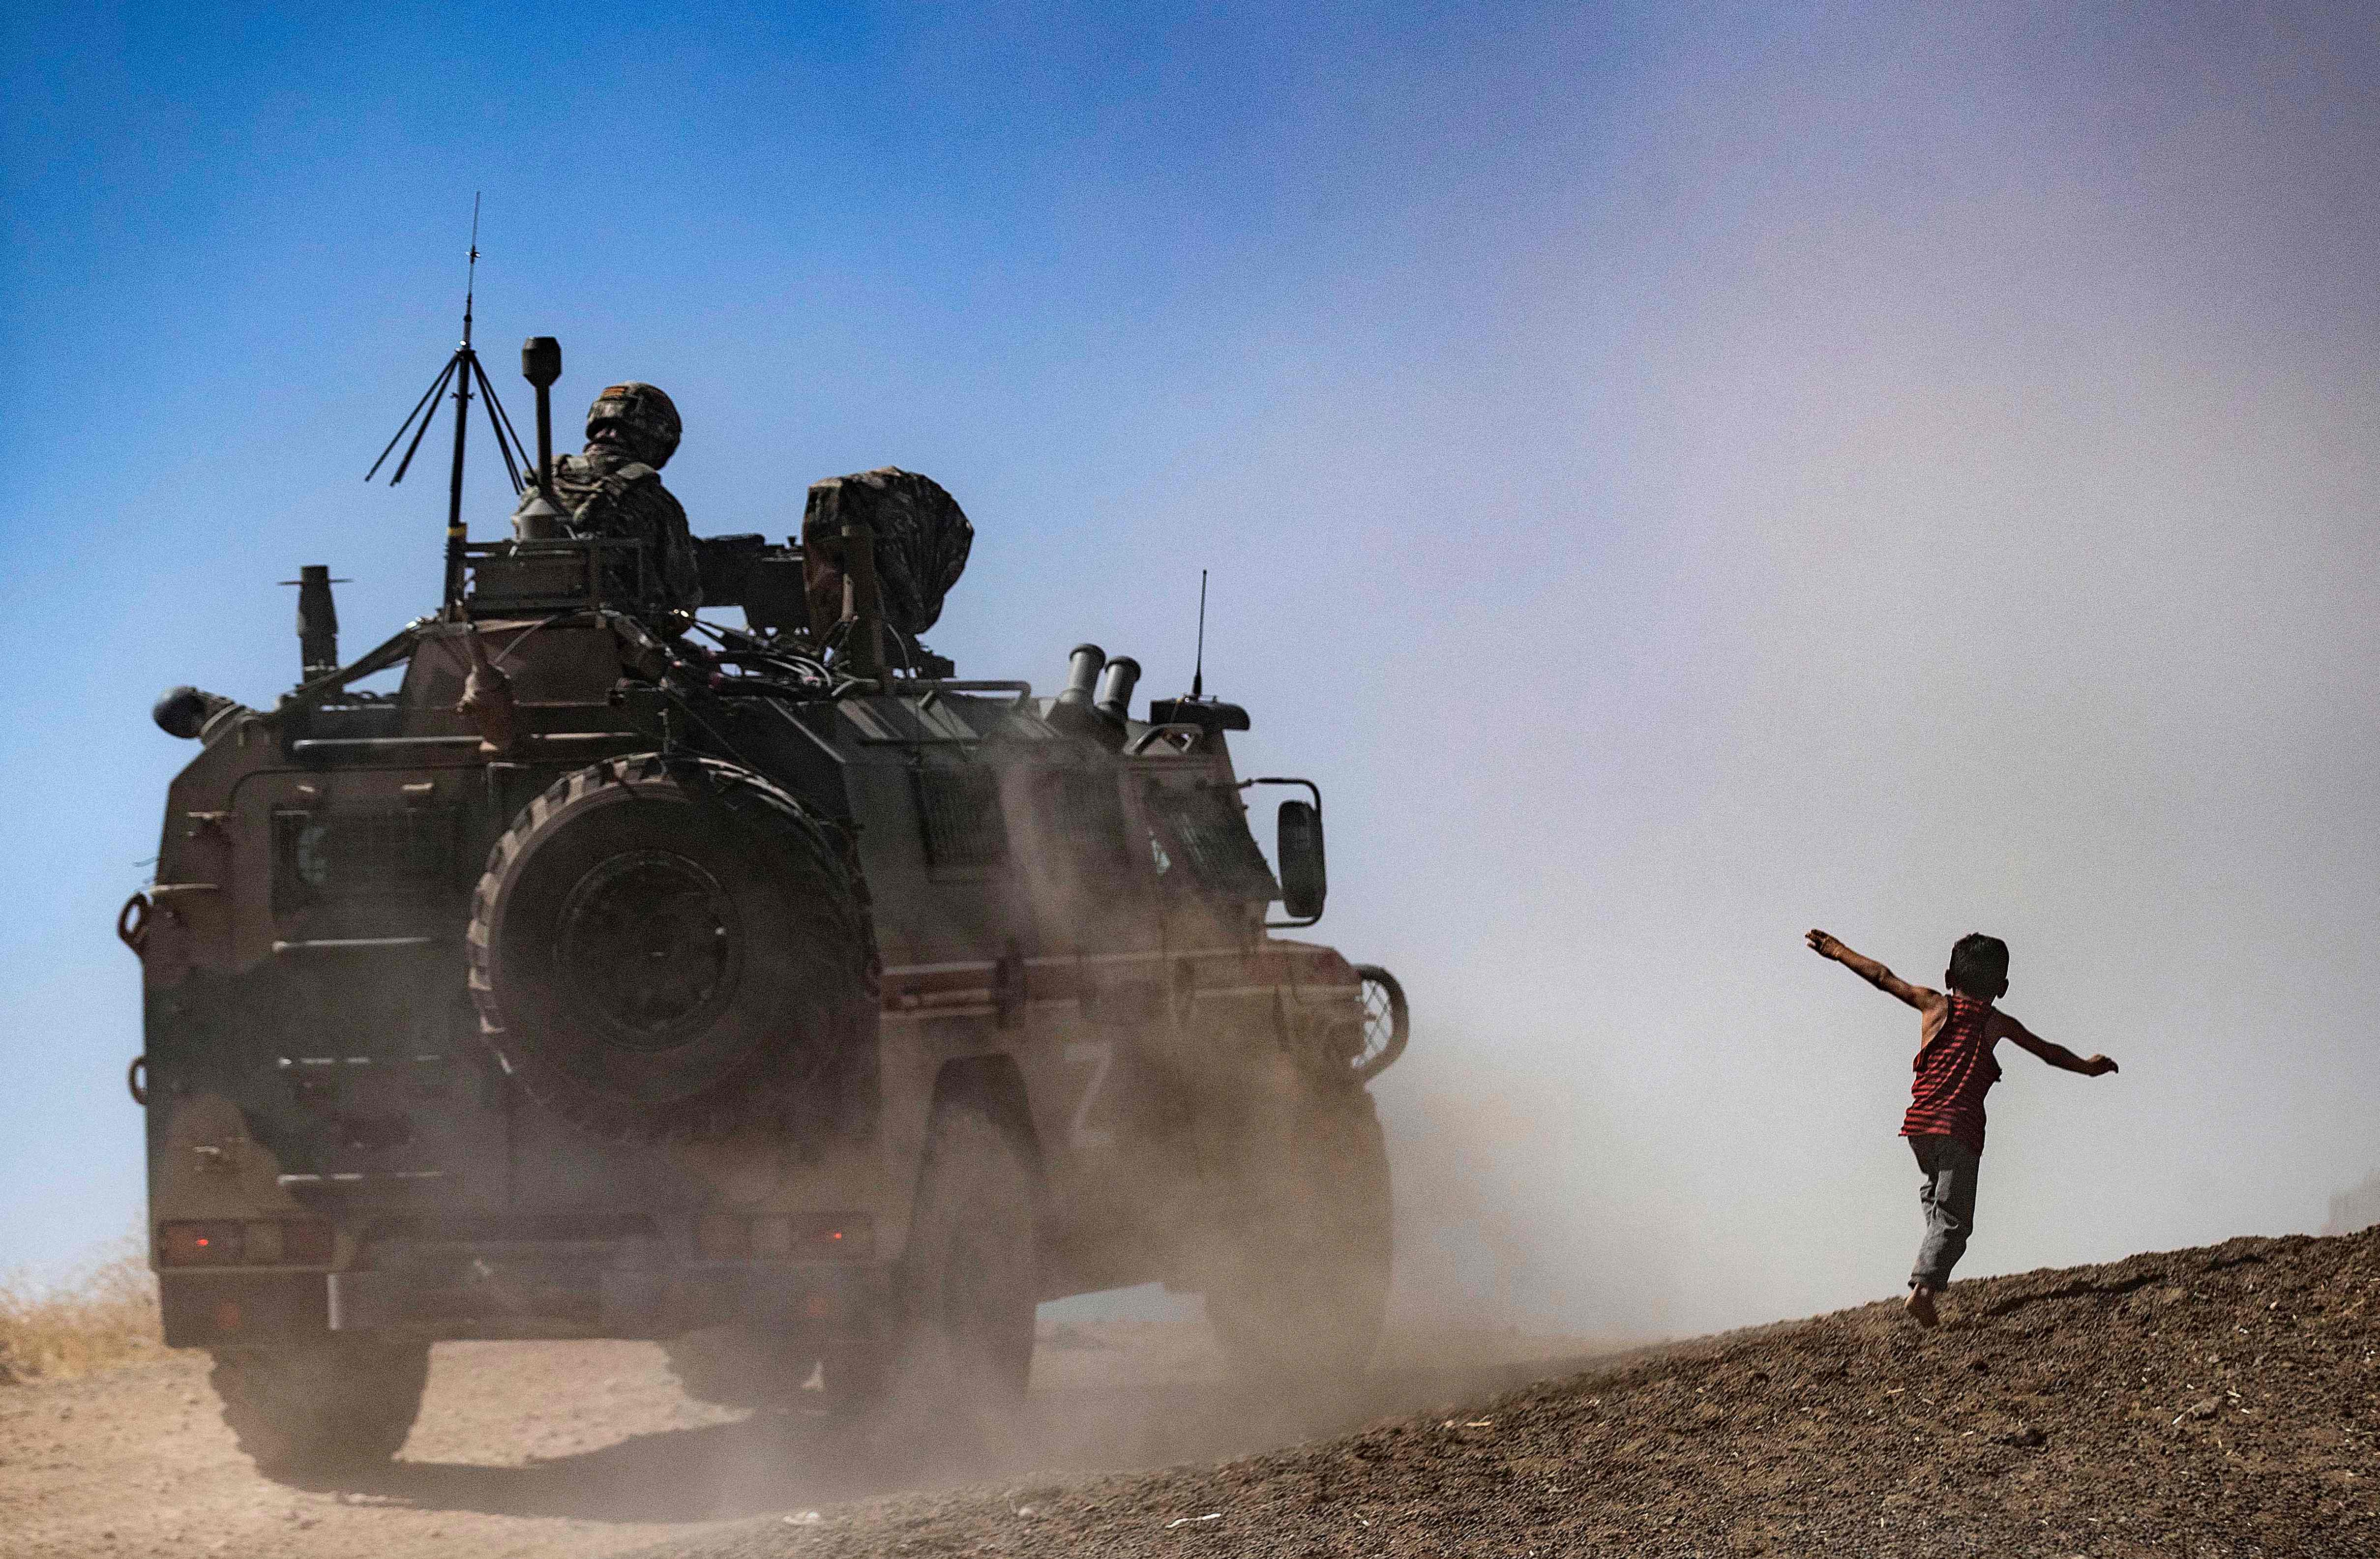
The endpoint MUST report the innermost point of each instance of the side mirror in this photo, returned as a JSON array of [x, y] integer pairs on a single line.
[[1304, 878]]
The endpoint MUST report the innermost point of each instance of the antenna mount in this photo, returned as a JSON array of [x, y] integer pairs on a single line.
[[462, 371]]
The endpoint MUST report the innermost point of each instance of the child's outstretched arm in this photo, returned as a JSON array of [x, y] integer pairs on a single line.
[[1875, 973], [2055, 1055]]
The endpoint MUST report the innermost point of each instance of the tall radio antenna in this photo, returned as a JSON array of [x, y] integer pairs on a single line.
[[1198, 671], [462, 370]]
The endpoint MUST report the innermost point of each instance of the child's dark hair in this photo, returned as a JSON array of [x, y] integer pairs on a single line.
[[1978, 965]]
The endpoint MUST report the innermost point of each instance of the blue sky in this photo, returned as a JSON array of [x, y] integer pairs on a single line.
[[1675, 477]]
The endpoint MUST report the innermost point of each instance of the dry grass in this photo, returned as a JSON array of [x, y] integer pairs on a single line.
[[104, 1315]]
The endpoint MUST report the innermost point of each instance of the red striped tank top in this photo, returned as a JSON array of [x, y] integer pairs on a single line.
[[1955, 1070]]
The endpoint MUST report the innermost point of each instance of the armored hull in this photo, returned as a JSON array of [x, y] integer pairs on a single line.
[[646, 984]]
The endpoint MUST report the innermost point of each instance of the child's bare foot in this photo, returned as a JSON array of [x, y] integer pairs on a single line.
[[1920, 1305]]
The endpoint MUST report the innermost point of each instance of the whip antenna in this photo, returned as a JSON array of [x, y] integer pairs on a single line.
[[1198, 671], [471, 269]]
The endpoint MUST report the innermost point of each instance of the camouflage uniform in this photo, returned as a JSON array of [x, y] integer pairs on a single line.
[[922, 541], [605, 493], [613, 487]]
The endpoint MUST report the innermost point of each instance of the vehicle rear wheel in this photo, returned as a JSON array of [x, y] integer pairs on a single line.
[[743, 1364], [341, 1402], [967, 1282], [672, 948], [1305, 1290]]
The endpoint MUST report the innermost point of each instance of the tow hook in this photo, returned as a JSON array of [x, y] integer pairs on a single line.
[[132, 923]]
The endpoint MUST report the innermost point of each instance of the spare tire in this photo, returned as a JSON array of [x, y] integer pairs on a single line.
[[674, 948]]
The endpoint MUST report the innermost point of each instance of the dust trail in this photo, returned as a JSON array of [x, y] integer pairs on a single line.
[[1526, 1205]]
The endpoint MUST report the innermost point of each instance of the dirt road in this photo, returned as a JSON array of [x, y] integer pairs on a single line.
[[588, 1448]]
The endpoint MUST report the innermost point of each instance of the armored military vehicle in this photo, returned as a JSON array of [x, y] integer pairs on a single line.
[[764, 989]]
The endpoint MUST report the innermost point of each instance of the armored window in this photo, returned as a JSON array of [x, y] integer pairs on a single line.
[[959, 819], [348, 857], [1206, 829], [1088, 814]]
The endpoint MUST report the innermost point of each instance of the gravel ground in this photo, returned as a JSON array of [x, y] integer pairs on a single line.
[[2223, 1401]]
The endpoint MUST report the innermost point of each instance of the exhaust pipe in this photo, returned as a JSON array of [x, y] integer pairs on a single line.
[[1115, 689], [1083, 664], [1072, 710]]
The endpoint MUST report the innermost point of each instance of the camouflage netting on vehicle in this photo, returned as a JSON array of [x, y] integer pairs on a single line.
[[922, 541]]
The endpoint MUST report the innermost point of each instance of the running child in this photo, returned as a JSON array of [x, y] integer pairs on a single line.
[[1955, 1068]]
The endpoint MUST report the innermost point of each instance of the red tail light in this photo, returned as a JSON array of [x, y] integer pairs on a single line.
[[786, 1237], [257, 1242], [194, 1244]]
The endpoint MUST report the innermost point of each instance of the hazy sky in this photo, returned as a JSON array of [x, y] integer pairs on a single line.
[[1674, 476]]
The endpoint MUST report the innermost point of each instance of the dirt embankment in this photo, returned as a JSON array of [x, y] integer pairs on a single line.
[[2209, 1403], [2216, 1402]]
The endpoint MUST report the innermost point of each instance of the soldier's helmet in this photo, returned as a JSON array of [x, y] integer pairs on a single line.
[[648, 416]]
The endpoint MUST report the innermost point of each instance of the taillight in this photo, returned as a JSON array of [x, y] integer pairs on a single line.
[[257, 1242], [788, 1237], [208, 1244]]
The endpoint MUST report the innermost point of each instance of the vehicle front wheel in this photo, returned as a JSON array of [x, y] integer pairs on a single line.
[[1304, 1290]]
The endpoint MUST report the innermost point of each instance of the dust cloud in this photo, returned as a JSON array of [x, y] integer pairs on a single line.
[[1514, 1216], [1919, 482]]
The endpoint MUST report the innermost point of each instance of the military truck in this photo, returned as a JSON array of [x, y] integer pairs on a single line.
[[767, 990]]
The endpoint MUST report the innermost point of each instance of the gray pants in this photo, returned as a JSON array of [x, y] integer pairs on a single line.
[[1947, 1195]]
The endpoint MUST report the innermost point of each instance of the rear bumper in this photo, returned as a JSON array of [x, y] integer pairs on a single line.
[[213, 1309], [517, 1294]]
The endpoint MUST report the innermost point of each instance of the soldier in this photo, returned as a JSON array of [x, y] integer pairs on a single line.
[[613, 487]]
